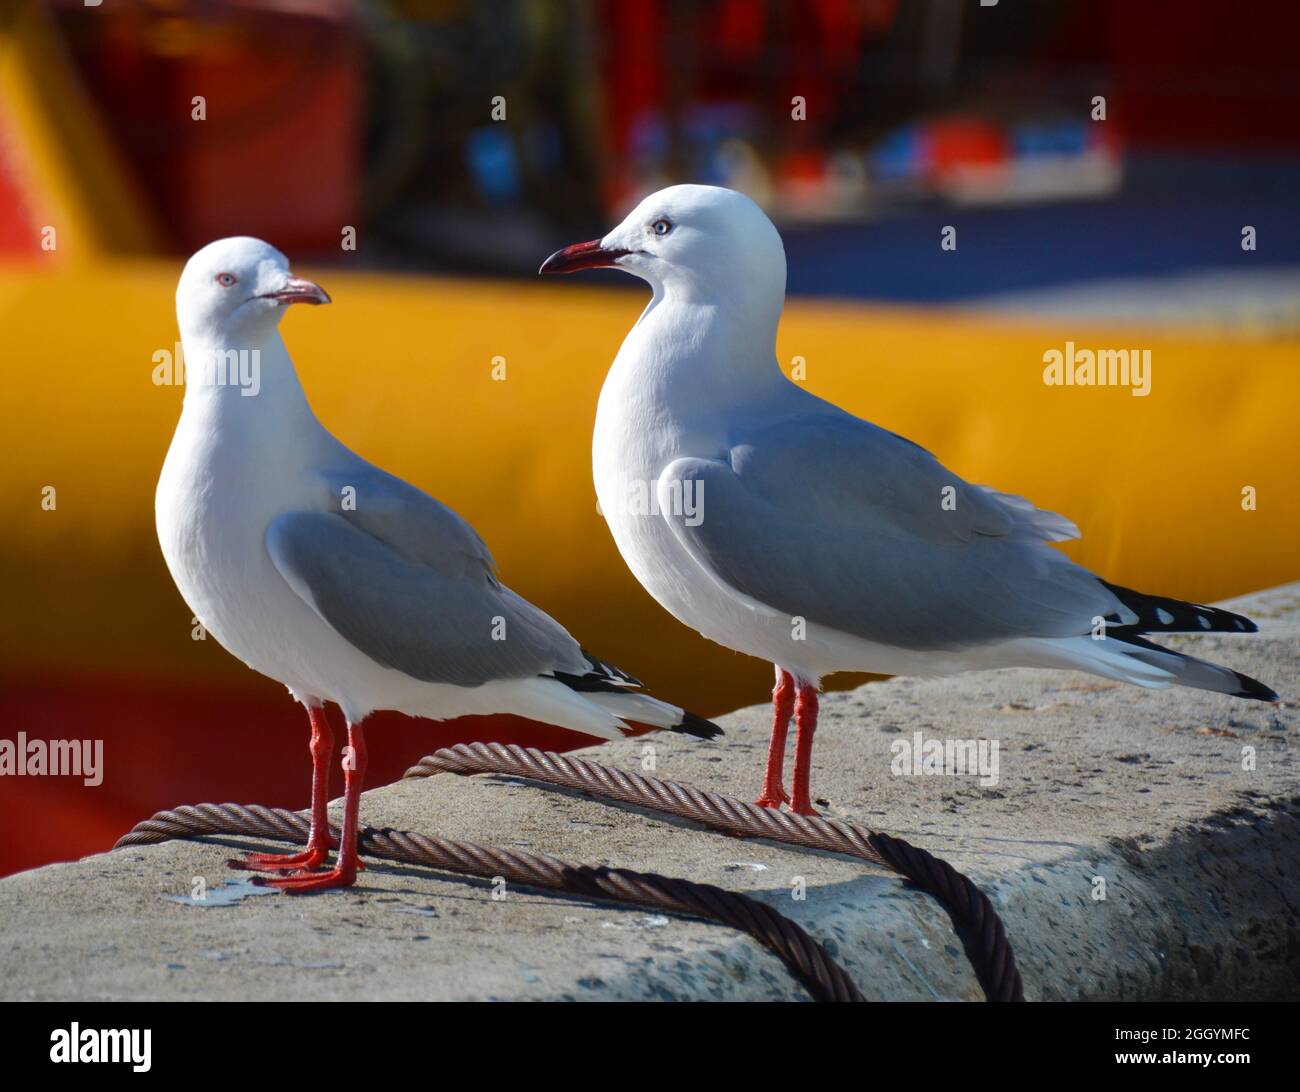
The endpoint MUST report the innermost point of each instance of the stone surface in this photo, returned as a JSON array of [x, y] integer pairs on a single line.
[[1144, 790]]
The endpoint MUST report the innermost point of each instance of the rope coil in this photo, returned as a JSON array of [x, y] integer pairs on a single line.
[[974, 920], [807, 960]]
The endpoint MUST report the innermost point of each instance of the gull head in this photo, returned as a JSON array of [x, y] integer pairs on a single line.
[[238, 289], [699, 243]]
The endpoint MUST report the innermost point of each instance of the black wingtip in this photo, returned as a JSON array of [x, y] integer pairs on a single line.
[[1253, 688], [698, 727], [1160, 614], [604, 667]]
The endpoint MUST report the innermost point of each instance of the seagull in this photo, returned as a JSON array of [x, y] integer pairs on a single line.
[[341, 581], [783, 527]]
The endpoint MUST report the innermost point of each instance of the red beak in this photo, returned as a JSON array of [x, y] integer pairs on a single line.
[[588, 255], [298, 290]]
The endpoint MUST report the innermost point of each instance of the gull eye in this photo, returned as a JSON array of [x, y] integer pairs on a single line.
[[227, 280], [661, 227]]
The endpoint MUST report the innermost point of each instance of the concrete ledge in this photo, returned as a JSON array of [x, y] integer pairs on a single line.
[[1146, 791]]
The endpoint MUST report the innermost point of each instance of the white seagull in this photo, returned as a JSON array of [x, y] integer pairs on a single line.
[[341, 581], [785, 528]]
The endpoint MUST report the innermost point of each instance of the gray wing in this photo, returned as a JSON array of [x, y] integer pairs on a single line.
[[415, 525], [409, 583], [830, 518]]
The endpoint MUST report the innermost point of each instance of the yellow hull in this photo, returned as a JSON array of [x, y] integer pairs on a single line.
[[402, 369]]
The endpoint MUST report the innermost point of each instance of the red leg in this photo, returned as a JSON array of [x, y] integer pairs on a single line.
[[318, 840], [805, 724], [344, 872], [773, 794]]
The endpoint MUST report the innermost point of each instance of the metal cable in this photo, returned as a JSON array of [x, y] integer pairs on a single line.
[[974, 920], [807, 960]]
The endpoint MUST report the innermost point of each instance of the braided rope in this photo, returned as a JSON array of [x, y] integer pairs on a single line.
[[976, 923], [807, 960]]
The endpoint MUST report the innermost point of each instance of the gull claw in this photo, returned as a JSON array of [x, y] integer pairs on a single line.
[[308, 861], [302, 883]]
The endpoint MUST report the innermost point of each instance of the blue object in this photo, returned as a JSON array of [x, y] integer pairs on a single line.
[[492, 164]]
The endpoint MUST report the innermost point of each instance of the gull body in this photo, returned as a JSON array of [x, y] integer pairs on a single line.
[[823, 542], [687, 424], [341, 581], [236, 464]]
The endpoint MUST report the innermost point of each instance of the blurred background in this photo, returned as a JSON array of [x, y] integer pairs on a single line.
[[1118, 174]]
